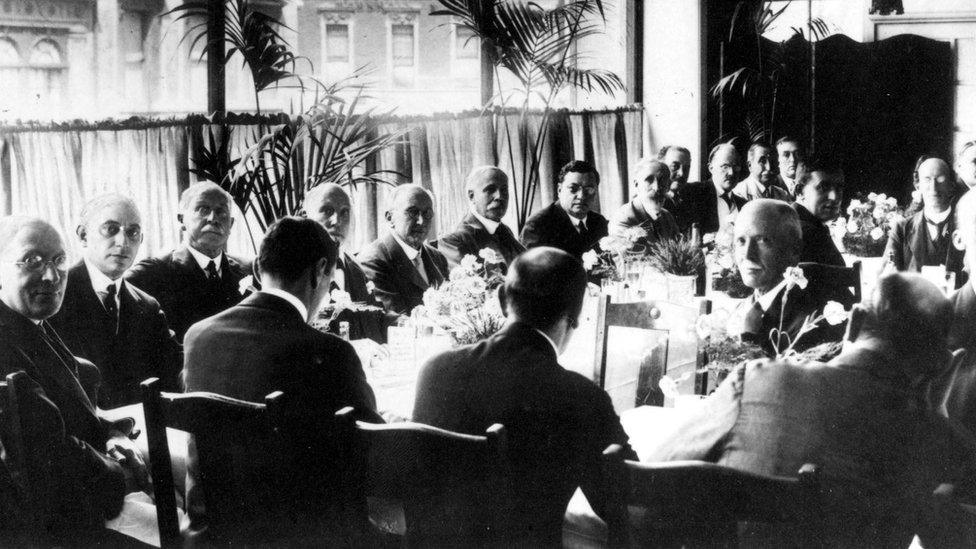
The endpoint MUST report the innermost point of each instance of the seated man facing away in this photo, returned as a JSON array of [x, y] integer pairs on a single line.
[[819, 192], [264, 344], [859, 418], [925, 238], [761, 182], [645, 212], [569, 223], [767, 242], [487, 189], [81, 485], [558, 422], [401, 264], [198, 279], [108, 320]]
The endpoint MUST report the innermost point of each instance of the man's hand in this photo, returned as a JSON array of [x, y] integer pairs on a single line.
[[127, 454]]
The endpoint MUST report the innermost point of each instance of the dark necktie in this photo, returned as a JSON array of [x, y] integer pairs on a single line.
[[584, 234], [936, 229], [727, 198], [212, 273], [111, 307]]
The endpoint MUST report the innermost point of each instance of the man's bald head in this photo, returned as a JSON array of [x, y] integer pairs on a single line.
[[411, 214], [487, 189], [543, 286], [33, 268], [329, 205], [766, 241], [910, 318]]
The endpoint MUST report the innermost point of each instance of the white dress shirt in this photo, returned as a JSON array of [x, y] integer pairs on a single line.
[[490, 225], [766, 300], [413, 255], [100, 284], [295, 302], [203, 260]]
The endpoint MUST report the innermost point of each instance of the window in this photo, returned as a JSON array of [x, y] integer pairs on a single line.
[[403, 55], [132, 36], [9, 55], [337, 43], [46, 77], [465, 56], [466, 44]]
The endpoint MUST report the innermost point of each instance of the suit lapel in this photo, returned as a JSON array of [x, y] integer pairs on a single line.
[[87, 298], [916, 237], [186, 265], [433, 270], [403, 263]]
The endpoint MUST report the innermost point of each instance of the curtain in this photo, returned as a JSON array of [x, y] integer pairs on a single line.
[[51, 172]]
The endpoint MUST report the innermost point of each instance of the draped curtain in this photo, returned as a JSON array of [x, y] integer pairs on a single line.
[[52, 172]]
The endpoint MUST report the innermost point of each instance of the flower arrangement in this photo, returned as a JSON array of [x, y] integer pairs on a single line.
[[607, 259], [467, 305], [833, 313], [680, 256], [725, 275], [722, 343], [864, 232]]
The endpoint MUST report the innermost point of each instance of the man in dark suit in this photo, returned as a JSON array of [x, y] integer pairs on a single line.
[[487, 188], [645, 213], [766, 243], [264, 344], [858, 418], [819, 192], [199, 279], [721, 205], [401, 264], [108, 321], [81, 485], [761, 182], [558, 422], [685, 201], [925, 238], [569, 223], [789, 155]]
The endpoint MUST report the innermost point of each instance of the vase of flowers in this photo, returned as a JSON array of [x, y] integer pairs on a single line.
[[466, 307], [864, 232], [681, 260], [723, 275]]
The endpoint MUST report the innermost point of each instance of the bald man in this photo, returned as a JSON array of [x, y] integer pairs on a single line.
[[401, 265], [80, 485], [645, 212], [198, 279], [767, 240], [108, 320], [925, 238], [487, 190]]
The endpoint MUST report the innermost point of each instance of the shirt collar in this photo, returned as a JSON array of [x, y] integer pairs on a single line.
[[99, 281], [759, 186], [549, 339], [766, 300], [490, 225], [411, 252], [295, 302], [939, 217], [203, 260], [576, 220]]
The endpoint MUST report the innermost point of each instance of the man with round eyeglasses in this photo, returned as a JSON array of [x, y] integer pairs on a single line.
[[107, 319], [569, 223], [81, 486]]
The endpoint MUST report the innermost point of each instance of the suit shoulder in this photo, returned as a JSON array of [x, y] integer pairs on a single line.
[[151, 266], [142, 297], [371, 252]]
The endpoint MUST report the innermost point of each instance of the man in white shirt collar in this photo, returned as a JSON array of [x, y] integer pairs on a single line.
[[789, 155], [487, 190], [762, 175], [108, 321], [328, 205]]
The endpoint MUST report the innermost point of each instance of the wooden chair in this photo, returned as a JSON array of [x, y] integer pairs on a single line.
[[699, 504], [658, 316], [453, 487], [835, 278], [245, 470]]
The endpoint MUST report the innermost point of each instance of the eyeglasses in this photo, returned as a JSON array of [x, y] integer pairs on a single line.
[[587, 190], [37, 264], [109, 230]]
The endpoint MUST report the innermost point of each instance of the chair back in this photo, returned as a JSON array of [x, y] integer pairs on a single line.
[[454, 487], [677, 350], [835, 278], [241, 469], [695, 503]]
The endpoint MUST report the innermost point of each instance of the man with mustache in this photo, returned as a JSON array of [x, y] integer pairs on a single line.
[[766, 241], [819, 192], [789, 154], [721, 204], [487, 189], [646, 210], [79, 485], [761, 182], [108, 320], [198, 279], [569, 223], [925, 238], [685, 201], [401, 265]]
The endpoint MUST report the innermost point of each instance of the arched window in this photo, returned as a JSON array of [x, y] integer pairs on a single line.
[[9, 55], [46, 53]]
